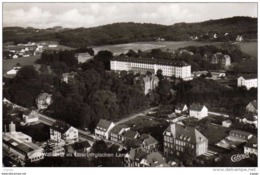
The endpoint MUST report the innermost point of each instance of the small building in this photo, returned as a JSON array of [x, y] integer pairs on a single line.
[[13, 71], [251, 146], [226, 123], [240, 134], [78, 147], [30, 116], [43, 101], [83, 57], [252, 107], [154, 159], [217, 75], [149, 143], [199, 73], [103, 128], [69, 77], [247, 81], [134, 157], [130, 134], [181, 108], [198, 111], [239, 38], [117, 132], [61, 131], [219, 58]]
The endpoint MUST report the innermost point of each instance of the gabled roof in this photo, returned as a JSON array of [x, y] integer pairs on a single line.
[[27, 112], [150, 140], [186, 133], [137, 154], [196, 107], [248, 77], [144, 136], [254, 103], [43, 96], [130, 134], [243, 133], [180, 106], [104, 124], [155, 159], [116, 129], [61, 127]]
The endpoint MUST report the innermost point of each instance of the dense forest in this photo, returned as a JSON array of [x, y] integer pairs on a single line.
[[118, 33]]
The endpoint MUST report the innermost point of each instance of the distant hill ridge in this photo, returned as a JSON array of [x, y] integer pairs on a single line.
[[126, 32]]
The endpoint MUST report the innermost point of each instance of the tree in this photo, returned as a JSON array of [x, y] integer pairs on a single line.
[[27, 73], [104, 56], [159, 74]]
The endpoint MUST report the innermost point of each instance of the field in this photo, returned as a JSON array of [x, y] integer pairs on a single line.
[[9, 63], [249, 47]]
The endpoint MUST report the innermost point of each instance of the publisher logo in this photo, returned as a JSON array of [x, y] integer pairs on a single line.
[[239, 157]]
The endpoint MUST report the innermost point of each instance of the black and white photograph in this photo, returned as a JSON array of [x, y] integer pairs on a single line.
[[166, 85]]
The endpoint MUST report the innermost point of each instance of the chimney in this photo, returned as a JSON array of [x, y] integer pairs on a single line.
[[12, 128], [173, 130]]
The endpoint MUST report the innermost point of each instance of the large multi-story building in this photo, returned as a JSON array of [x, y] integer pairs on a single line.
[[179, 138], [177, 68], [247, 81]]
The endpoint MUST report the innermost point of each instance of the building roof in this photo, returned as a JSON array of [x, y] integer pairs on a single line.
[[196, 107], [241, 132], [150, 140], [80, 145], [227, 121], [249, 77], [137, 154], [177, 63], [254, 103], [155, 159], [103, 124], [27, 112], [172, 115], [130, 134], [61, 127], [186, 133], [71, 74], [116, 129], [179, 106], [252, 143]]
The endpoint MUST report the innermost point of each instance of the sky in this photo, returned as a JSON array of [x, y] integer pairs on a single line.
[[73, 15]]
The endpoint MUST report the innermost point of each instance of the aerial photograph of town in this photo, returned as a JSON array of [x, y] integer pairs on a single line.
[[129, 85]]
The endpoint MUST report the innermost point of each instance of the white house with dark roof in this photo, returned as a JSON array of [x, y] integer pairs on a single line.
[[198, 111], [68, 77], [227, 123], [247, 81], [148, 83], [117, 132], [149, 143], [252, 106], [61, 131], [43, 100], [103, 128], [30, 116], [179, 138], [180, 108]]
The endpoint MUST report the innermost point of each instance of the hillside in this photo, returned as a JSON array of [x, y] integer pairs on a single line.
[[118, 33]]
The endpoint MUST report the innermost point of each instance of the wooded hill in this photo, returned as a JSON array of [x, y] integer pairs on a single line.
[[118, 33]]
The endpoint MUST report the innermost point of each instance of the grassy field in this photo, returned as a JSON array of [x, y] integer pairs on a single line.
[[9, 63], [249, 47]]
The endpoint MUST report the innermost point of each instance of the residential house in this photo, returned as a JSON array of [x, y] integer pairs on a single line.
[[198, 111], [134, 157], [43, 100], [83, 57], [117, 132], [103, 128], [227, 123], [148, 83], [77, 147], [252, 107], [219, 58], [149, 143], [179, 138], [251, 146], [181, 108], [240, 134], [154, 159], [63, 132], [30, 116], [247, 81], [69, 77], [218, 74], [239, 38], [13, 71], [130, 134]]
